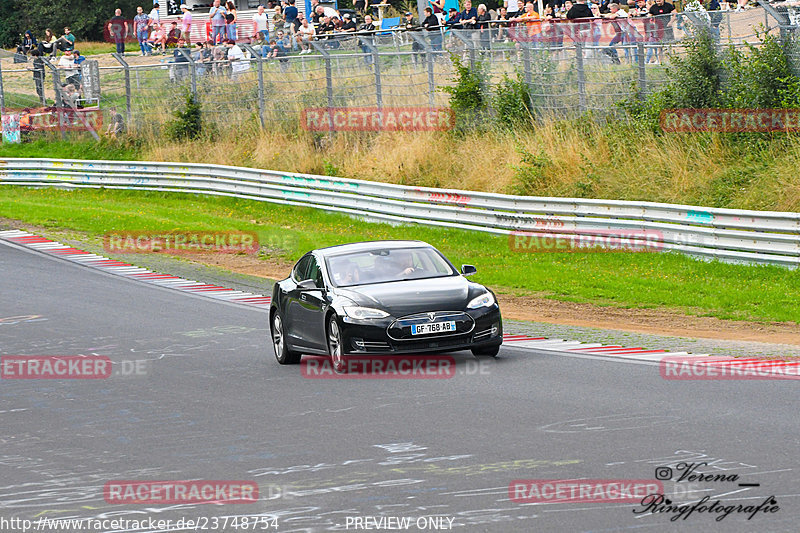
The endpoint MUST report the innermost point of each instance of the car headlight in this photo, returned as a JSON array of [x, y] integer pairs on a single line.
[[484, 300], [362, 313]]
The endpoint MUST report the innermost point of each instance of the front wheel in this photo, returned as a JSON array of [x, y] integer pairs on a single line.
[[282, 352], [490, 351], [335, 345]]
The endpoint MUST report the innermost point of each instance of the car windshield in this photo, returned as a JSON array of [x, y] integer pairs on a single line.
[[383, 265]]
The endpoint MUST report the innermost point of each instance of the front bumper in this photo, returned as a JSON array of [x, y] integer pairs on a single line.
[[370, 337]]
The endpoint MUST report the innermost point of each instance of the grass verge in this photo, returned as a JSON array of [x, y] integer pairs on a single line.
[[643, 280]]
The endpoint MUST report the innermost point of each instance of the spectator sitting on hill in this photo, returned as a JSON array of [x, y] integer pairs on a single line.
[[349, 24], [66, 43], [28, 43], [117, 125], [172, 38], [48, 44], [69, 96], [305, 34]]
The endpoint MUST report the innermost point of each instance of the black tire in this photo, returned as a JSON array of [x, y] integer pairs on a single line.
[[334, 337], [490, 351], [282, 352]]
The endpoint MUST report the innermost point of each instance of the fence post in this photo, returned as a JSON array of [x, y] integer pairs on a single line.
[[261, 103], [59, 102], [642, 70], [373, 49], [526, 62], [127, 71], [429, 60], [326, 56], [581, 76], [188, 56]]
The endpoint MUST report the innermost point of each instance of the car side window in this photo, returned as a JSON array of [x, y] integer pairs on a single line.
[[301, 268], [314, 272]]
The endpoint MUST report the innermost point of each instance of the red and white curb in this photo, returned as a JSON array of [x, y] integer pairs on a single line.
[[560, 345], [127, 270], [728, 363]]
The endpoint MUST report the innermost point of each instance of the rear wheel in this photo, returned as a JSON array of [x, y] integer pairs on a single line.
[[490, 351], [335, 345], [282, 352]]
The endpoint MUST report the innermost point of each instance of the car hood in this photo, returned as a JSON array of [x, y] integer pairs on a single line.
[[400, 298]]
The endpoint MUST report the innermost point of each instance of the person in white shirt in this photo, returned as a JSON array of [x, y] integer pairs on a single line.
[[239, 62], [262, 23], [305, 33], [512, 8], [154, 16]]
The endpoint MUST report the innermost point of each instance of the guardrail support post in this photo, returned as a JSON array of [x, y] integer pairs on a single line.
[[2, 93], [642, 70], [127, 71], [581, 76]]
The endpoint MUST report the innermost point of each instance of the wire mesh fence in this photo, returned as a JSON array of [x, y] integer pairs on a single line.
[[569, 68]]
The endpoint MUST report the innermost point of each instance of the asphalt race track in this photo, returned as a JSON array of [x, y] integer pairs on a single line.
[[195, 394]]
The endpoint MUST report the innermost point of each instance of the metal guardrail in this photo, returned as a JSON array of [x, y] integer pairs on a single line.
[[726, 234]]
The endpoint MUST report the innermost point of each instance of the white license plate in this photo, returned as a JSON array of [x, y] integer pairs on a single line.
[[434, 327]]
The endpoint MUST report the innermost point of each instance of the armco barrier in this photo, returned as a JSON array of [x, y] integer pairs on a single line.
[[726, 234]]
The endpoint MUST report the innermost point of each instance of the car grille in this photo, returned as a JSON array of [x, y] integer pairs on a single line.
[[400, 329]]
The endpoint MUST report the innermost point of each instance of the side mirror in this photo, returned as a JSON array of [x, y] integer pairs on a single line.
[[468, 270], [307, 284]]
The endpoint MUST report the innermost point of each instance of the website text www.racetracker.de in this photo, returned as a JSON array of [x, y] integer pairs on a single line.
[[202, 523]]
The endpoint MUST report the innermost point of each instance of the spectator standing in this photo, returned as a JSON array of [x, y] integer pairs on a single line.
[[155, 16], [453, 20], [512, 8], [186, 23], [469, 17], [369, 29], [48, 44], [66, 43], [118, 30], [290, 15], [141, 24], [230, 21], [431, 23], [661, 12], [482, 24], [217, 15], [69, 64], [615, 13], [262, 22], [278, 18], [38, 74], [199, 60]]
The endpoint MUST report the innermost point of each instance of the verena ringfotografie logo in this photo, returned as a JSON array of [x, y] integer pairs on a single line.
[[561, 240], [377, 119], [181, 242], [381, 367], [730, 120], [177, 492], [55, 367], [712, 368], [582, 490]]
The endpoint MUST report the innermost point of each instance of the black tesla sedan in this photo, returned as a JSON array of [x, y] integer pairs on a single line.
[[381, 297]]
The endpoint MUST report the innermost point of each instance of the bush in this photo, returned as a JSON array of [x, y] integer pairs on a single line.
[[512, 100], [529, 177], [188, 122], [760, 78], [468, 98]]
